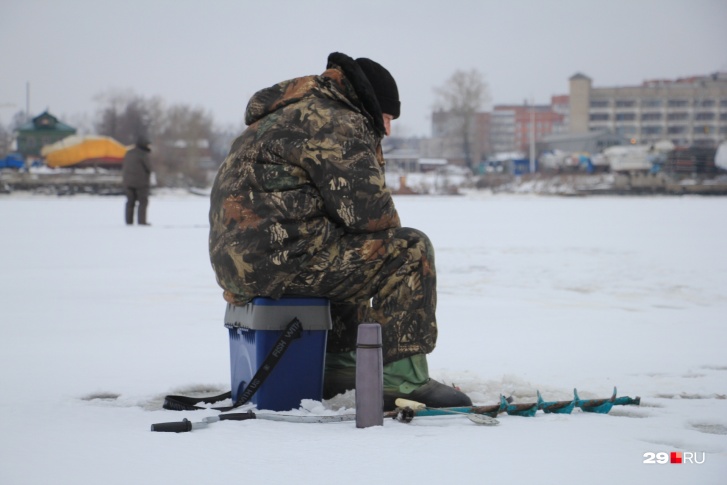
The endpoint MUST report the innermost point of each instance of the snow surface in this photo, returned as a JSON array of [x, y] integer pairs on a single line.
[[99, 321]]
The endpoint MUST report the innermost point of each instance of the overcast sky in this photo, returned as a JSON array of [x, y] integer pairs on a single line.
[[215, 54]]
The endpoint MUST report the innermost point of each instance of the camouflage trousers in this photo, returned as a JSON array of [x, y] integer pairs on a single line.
[[386, 277]]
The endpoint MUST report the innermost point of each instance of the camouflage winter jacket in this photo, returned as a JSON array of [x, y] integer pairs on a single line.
[[306, 171]]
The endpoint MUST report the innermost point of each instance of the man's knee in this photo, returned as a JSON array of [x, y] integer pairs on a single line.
[[416, 240]]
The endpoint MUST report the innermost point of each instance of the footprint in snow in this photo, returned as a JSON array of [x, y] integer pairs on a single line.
[[629, 413], [101, 396], [686, 395], [710, 428]]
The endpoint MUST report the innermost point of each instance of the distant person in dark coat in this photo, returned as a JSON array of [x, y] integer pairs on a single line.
[[136, 171]]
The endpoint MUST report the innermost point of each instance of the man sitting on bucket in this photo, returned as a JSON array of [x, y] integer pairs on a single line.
[[300, 207]]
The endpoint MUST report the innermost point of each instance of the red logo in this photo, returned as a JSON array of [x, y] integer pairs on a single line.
[[674, 457]]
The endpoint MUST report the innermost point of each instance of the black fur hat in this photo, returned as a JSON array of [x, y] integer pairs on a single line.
[[364, 87], [384, 86]]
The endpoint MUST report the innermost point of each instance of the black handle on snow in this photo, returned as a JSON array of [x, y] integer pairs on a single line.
[[186, 425], [175, 427]]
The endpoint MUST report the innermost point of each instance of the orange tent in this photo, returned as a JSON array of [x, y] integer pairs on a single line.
[[77, 151]]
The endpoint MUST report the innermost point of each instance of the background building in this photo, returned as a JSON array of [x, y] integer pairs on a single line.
[[504, 130], [42, 130], [688, 111], [591, 142], [516, 123], [560, 104], [448, 142]]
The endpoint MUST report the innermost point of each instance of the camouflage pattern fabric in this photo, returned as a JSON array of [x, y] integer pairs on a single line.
[[300, 207], [387, 277]]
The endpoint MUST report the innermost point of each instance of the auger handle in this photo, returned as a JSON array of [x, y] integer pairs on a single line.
[[407, 403], [175, 427]]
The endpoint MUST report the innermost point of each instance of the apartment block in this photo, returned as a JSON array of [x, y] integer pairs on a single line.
[[687, 111], [513, 125]]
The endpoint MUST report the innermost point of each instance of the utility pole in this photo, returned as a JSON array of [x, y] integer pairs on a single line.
[[27, 101], [532, 136]]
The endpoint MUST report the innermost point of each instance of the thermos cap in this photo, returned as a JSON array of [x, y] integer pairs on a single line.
[[369, 335]]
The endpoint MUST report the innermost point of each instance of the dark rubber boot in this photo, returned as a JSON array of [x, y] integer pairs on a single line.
[[433, 394], [338, 381]]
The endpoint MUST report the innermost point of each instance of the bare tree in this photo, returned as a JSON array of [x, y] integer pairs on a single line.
[[6, 139], [181, 136], [222, 140], [19, 119], [183, 140], [122, 116], [7, 133], [462, 96]]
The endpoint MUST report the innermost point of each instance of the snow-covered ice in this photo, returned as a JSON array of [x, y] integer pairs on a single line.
[[99, 321]]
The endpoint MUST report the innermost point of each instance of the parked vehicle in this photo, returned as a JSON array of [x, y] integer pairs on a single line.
[[12, 160], [638, 158]]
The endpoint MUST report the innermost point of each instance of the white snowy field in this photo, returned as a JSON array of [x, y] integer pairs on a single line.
[[98, 321]]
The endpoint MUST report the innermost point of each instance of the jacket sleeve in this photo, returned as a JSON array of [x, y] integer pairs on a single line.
[[146, 162], [343, 166]]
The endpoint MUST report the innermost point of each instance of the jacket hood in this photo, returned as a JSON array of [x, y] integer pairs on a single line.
[[361, 85], [343, 80]]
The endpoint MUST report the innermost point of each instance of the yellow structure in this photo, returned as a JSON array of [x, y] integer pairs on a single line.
[[84, 150]]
